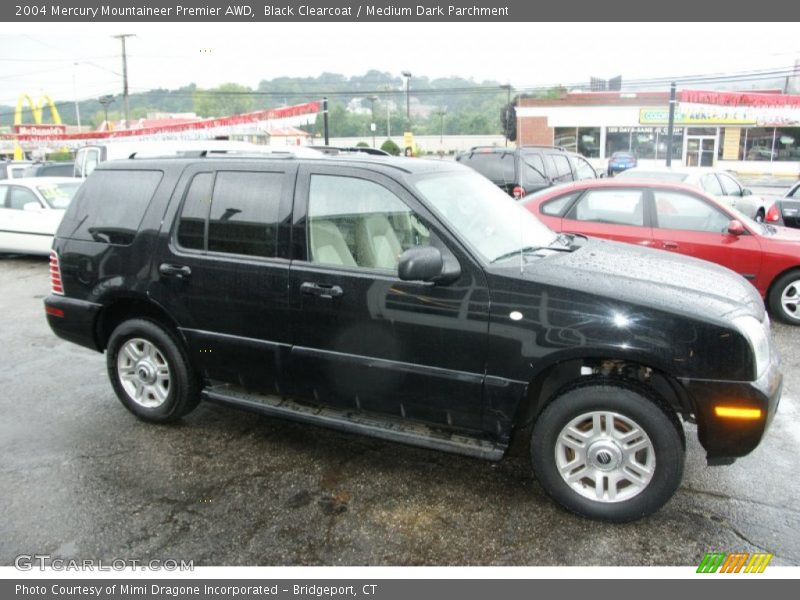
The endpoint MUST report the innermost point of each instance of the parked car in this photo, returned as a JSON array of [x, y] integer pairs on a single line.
[[720, 184], [786, 211], [621, 161], [13, 169], [31, 210], [50, 169], [681, 219], [524, 170], [416, 302]]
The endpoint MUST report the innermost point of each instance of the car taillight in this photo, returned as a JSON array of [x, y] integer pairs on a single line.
[[518, 191], [773, 214], [56, 286]]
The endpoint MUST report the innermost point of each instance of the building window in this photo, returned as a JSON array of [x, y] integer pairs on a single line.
[[583, 140], [644, 142]]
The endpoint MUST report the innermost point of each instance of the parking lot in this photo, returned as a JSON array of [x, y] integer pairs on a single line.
[[82, 478]]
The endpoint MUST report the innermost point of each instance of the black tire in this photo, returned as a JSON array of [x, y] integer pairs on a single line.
[[163, 395], [604, 453], [760, 216], [789, 283]]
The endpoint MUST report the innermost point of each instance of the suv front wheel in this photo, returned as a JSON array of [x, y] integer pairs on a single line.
[[150, 372], [607, 451]]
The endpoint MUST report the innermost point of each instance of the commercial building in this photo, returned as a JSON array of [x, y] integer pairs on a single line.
[[739, 131]]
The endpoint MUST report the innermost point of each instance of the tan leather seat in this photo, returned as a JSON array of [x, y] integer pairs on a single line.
[[327, 245], [377, 244]]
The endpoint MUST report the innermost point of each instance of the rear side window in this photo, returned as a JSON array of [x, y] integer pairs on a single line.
[[110, 205], [236, 213], [617, 207]]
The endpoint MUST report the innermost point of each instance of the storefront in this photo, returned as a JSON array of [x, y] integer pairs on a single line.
[[744, 132]]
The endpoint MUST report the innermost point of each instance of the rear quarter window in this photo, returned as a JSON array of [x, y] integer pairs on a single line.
[[110, 205], [495, 166]]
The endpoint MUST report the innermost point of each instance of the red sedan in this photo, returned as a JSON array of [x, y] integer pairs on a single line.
[[680, 218]]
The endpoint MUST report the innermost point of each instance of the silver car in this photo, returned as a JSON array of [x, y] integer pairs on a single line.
[[718, 183]]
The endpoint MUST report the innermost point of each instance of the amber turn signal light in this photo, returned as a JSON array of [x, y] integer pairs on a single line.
[[737, 412]]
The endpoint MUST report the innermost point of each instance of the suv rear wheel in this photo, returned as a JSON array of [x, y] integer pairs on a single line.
[[150, 372], [608, 451]]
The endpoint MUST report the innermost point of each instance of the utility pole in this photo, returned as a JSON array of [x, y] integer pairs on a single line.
[[126, 108], [325, 119], [75, 97]]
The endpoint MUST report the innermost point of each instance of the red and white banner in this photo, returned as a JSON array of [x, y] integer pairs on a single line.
[[204, 128], [740, 99]]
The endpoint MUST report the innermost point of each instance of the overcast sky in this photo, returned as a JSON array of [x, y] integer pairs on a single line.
[[42, 58]]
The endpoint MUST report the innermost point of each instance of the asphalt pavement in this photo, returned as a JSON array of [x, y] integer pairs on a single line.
[[82, 478]]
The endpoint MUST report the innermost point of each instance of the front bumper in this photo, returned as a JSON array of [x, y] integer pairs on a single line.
[[726, 439]]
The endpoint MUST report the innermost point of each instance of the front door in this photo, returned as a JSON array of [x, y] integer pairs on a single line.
[[363, 339], [700, 151], [687, 224]]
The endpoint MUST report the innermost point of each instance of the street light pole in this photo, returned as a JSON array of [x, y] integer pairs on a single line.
[[507, 88], [407, 76], [105, 101], [372, 124]]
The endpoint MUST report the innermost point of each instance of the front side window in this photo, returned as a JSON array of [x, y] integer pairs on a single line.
[[729, 186], [711, 185], [355, 222], [675, 210], [618, 207], [18, 197], [561, 167], [583, 170]]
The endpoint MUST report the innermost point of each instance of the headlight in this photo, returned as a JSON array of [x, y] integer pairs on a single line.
[[757, 334]]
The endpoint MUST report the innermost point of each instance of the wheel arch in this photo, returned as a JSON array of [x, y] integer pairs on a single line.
[[551, 379], [131, 307]]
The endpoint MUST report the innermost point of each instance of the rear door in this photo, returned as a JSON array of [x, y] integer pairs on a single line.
[[362, 338], [223, 273], [619, 214], [690, 225]]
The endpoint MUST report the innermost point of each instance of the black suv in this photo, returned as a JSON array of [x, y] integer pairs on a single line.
[[414, 301], [527, 169]]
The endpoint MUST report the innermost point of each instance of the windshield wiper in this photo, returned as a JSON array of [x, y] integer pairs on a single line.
[[525, 250]]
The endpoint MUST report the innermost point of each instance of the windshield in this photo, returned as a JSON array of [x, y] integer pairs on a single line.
[[657, 175], [58, 195], [482, 215]]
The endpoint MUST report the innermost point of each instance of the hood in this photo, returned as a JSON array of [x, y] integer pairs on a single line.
[[645, 277]]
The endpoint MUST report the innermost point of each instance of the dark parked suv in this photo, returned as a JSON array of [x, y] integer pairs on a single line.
[[414, 301], [527, 169]]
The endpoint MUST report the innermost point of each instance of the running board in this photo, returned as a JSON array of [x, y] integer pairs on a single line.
[[386, 428]]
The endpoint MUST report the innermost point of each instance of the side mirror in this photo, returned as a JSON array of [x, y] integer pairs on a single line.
[[32, 207], [747, 192], [735, 227], [420, 263]]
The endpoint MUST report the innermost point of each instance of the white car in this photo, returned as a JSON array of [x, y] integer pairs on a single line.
[[718, 183], [31, 209]]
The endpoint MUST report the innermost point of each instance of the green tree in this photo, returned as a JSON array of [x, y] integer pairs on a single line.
[[390, 147], [226, 99]]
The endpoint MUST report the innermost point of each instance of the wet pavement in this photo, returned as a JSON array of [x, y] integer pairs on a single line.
[[82, 478]]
